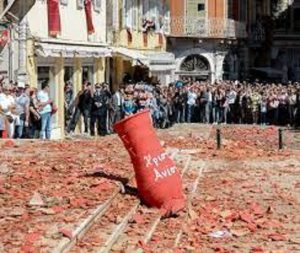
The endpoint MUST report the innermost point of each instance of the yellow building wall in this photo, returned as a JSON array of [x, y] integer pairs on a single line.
[[138, 41], [121, 40], [99, 70], [118, 71]]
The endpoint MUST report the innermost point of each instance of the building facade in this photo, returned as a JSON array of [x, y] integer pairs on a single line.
[[285, 40], [273, 42], [137, 31], [67, 44], [207, 38]]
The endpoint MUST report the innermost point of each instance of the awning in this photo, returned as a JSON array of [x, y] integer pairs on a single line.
[[131, 54], [16, 10], [162, 68], [44, 49], [155, 61], [161, 61]]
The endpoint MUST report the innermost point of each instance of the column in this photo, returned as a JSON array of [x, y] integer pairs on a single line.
[[100, 70], [220, 56], [31, 65], [118, 72], [22, 74], [77, 84], [59, 94], [77, 75]]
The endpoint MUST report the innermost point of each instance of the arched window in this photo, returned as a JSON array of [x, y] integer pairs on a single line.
[[195, 62]]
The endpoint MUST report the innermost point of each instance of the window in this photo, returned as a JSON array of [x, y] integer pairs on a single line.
[[130, 14], [97, 5], [80, 4], [146, 8], [201, 7], [64, 2]]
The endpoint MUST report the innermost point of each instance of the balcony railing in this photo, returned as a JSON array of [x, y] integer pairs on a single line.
[[208, 28]]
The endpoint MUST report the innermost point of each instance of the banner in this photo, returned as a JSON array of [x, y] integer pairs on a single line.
[[88, 13], [54, 24]]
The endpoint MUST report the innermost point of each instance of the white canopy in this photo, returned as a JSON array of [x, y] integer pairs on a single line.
[[47, 49], [131, 54], [156, 61]]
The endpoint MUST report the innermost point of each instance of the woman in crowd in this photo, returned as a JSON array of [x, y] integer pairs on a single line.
[[35, 117]]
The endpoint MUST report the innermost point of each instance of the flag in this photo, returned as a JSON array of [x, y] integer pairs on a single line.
[[54, 24], [88, 14]]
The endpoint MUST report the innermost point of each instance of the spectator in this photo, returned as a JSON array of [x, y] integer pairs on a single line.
[[7, 109], [100, 101], [45, 108], [83, 105], [22, 110], [69, 102], [191, 101], [117, 101], [35, 117]]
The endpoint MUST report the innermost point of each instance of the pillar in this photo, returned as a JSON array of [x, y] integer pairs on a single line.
[[100, 70], [77, 84], [118, 72], [77, 75], [219, 66], [31, 65], [59, 94], [22, 73]]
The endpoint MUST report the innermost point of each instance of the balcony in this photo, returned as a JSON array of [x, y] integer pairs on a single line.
[[215, 28]]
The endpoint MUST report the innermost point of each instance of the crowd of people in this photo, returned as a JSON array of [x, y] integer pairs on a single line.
[[27, 112]]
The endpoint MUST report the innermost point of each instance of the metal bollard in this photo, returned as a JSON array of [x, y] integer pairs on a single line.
[[218, 138], [280, 138]]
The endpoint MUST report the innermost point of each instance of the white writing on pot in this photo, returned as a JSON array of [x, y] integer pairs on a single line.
[[155, 160], [149, 160], [165, 173]]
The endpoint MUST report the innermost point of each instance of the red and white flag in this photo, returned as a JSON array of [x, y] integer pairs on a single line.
[[54, 23], [88, 14]]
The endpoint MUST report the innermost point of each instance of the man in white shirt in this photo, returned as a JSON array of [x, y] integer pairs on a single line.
[[117, 102], [45, 111], [191, 101], [7, 105], [231, 98]]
